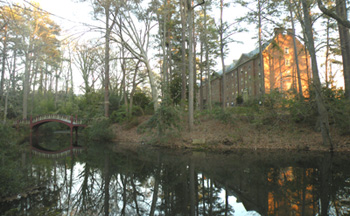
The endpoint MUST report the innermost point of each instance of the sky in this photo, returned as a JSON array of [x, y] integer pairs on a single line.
[[75, 18], [71, 15]]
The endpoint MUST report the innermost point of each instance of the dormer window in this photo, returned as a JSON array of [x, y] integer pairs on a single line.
[[286, 50]]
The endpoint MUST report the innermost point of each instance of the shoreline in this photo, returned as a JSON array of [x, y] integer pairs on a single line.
[[214, 136]]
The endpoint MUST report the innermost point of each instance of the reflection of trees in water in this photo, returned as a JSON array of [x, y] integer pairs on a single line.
[[102, 182]]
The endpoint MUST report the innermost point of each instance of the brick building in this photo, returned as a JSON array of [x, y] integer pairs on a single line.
[[243, 76]]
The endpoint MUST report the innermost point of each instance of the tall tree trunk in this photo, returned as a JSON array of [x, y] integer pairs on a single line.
[[222, 55], [345, 44], [46, 80], [165, 55], [134, 85], [56, 86], [106, 78], [326, 63], [183, 51], [322, 111], [207, 58], [300, 88], [153, 85], [71, 72], [26, 86], [13, 74], [190, 65], [32, 82], [6, 102], [201, 107], [4, 56], [123, 62]]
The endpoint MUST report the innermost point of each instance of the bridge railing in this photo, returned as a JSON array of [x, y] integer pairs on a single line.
[[66, 118]]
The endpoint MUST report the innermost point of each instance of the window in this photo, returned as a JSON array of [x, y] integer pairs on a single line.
[[287, 62], [286, 50]]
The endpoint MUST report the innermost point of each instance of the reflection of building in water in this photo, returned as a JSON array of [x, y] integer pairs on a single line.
[[244, 78], [276, 191], [290, 193]]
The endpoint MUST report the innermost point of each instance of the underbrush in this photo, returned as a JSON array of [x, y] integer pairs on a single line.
[[277, 109], [164, 124], [99, 130]]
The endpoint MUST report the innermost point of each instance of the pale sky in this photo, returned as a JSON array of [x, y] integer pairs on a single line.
[[72, 15]]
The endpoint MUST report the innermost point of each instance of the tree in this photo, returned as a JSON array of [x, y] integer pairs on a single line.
[[190, 65], [183, 12], [136, 41], [296, 59], [38, 42], [86, 60], [322, 111], [340, 14]]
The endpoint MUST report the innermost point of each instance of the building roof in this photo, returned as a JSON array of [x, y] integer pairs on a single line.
[[244, 58]]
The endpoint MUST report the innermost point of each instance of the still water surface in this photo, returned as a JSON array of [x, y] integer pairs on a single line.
[[111, 179]]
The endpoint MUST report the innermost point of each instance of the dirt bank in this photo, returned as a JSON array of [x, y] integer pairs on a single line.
[[214, 135]]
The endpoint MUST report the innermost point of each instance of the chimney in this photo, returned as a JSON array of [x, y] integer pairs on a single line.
[[278, 31], [290, 32]]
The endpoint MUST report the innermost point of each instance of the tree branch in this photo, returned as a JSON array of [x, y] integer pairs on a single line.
[[201, 3], [334, 15]]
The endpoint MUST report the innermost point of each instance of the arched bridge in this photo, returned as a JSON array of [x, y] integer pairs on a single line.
[[70, 121]]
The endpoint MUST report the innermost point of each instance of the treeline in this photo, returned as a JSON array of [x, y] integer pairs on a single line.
[[153, 54]]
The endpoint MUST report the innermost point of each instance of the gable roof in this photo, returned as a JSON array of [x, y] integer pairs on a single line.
[[245, 57]]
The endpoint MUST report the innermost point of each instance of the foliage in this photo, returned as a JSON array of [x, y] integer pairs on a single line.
[[44, 104], [91, 105], [11, 181], [141, 99], [303, 111], [175, 89], [120, 115], [222, 115], [164, 120], [338, 109], [99, 130], [239, 99]]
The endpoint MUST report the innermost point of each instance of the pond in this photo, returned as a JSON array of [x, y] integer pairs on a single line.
[[122, 179]]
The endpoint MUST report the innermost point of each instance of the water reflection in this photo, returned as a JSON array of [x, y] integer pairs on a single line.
[[139, 181]]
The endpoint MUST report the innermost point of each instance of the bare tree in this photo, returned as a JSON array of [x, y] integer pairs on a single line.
[[136, 41]]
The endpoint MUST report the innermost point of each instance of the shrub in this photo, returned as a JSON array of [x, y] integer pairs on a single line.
[[121, 116], [239, 99], [100, 130], [222, 115], [164, 120]]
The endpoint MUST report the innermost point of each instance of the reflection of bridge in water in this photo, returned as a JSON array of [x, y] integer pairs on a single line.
[[72, 123], [43, 152]]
